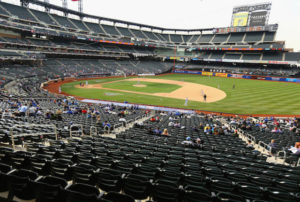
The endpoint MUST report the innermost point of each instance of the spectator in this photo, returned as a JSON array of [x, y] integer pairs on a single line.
[[207, 129], [276, 130], [272, 146], [297, 145], [157, 131], [157, 118], [106, 126], [250, 145], [32, 111], [22, 110], [187, 141], [123, 121], [98, 120], [296, 149], [152, 119], [165, 132], [171, 124], [177, 125]]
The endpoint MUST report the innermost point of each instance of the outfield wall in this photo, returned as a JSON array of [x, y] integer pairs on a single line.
[[238, 76]]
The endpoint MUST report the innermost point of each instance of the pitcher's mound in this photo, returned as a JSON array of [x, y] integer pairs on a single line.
[[140, 85]]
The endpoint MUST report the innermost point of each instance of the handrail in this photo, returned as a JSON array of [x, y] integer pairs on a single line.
[[26, 135], [284, 154], [298, 163], [117, 125], [93, 130], [130, 121], [251, 137], [264, 145]]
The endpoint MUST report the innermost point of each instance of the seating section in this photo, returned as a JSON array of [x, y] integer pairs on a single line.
[[269, 36], [138, 33], [194, 38], [272, 56], [57, 25], [176, 38], [8, 53], [124, 31], [233, 56], [187, 38], [205, 55], [216, 55], [251, 56], [236, 37], [282, 132], [253, 36], [3, 12], [94, 27], [292, 56], [79, 24], [205, 38], [87, 47], [20, 12], [262, 46], [151, 35], [110, 30], [277, 45], [44, 17], [63, 21], [220, 38], [139, 164], [165, 37]]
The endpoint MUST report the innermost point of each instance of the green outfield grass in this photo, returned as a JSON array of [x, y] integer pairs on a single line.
[[150, 86], [248, 97]]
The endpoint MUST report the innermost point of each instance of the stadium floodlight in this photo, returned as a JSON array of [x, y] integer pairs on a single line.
[[80, 5], [65, 3]]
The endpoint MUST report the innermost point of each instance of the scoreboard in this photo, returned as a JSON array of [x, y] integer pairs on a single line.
[[251, 15]]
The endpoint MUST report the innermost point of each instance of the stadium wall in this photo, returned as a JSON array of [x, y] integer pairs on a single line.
[[238, 76]]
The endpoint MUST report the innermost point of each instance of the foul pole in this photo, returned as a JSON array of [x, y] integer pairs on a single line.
[[175, 53]]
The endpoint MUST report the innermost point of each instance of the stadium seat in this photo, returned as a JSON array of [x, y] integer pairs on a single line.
[[50, 189], [21, 184], [115, 197], [82, 193]]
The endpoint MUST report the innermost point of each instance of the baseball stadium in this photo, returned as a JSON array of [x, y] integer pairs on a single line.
[[102, 109]]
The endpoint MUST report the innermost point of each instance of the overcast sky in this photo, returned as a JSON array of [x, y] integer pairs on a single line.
[[188, 14]]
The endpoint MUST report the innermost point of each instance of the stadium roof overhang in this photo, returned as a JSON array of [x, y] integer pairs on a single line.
[[73, 12]]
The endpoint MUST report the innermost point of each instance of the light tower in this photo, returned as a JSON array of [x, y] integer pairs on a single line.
[[47, 9], [80, 6], [65, 3]]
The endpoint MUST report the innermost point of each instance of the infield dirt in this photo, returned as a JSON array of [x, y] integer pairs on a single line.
[[192, 91]]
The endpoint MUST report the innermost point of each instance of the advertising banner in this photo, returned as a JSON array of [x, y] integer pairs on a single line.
[[258, 18], [240, 19], [239, 76], [221, 75], [207, 73]]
